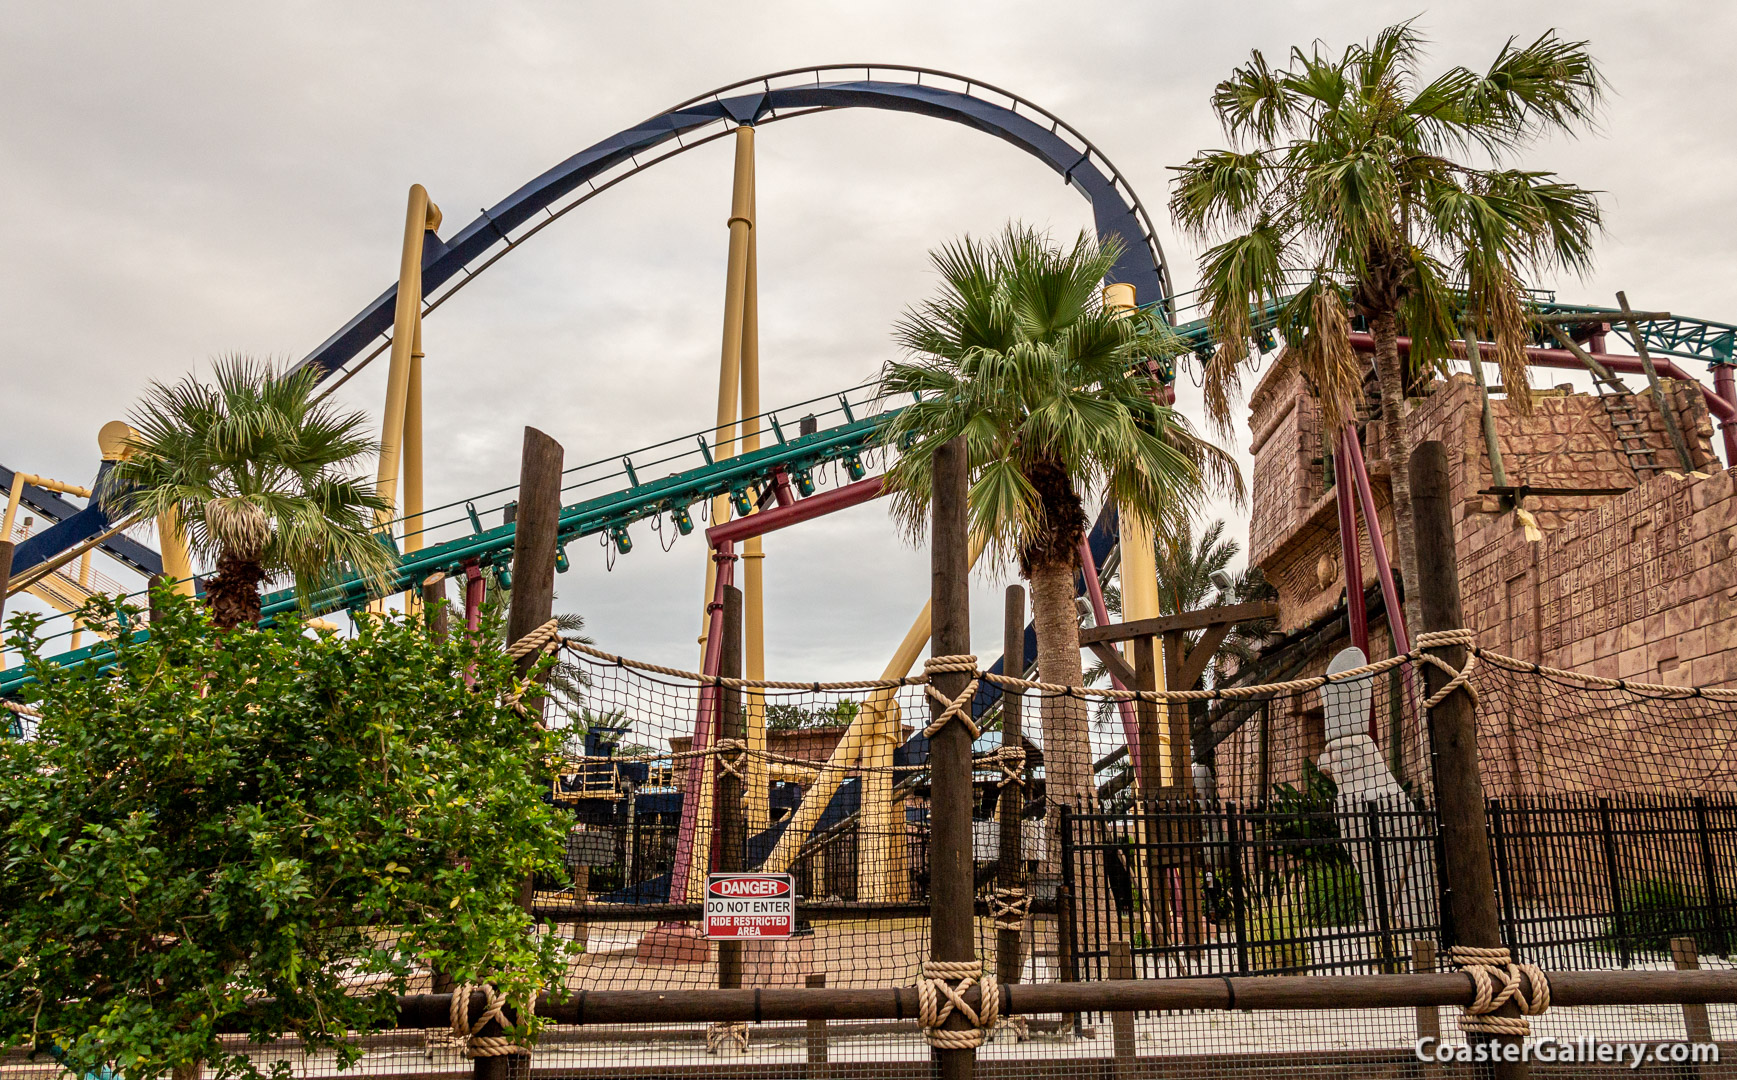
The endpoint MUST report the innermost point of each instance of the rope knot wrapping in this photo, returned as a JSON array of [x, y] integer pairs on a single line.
[[464, 1030], [1496, 980], [727, 1035], [1457, 677], [941, 992], [958, 708], [730, 754], [1009, 907], [545, 638]]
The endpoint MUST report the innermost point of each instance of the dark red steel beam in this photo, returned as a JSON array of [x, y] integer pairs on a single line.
[[1725, 410], [783, 517]]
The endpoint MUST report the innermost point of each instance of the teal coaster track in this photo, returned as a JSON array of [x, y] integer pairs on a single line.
[[615, 496]]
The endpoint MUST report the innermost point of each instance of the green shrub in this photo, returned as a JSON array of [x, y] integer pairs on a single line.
[[248, 822], [1656, 910], [1272, 929], [1331, 894]]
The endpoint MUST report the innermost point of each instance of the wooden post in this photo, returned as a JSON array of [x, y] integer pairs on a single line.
[[732, 820], [1667, 408], [1459, 789], [1010, 869], [434, 606], [1423, 963], [155, 609], [538, 514], [952, 891], [1687, 957], [5, 575], [1122, 1023], [816, 1034]]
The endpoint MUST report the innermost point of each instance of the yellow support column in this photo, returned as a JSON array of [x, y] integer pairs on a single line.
[[413, 504], [1139, 569], [420, 217], [730, 358], [756, 789], [724, 438], [84, 586], [177, 564]]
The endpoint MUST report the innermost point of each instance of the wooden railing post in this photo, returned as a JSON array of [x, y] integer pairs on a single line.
[[1122, 1023], [1686, 957], [1010, 866], [534, 545], [1423, 963], [1459, 788], [952, 888], [816, 1034]]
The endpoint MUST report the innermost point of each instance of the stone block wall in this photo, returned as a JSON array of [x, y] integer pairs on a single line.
[[1638, 585]]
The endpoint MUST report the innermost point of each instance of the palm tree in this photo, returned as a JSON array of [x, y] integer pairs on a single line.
[[1051, 393], [253, 467], [1348, 170]]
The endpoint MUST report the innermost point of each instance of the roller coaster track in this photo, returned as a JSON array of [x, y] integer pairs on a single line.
[[451, 264]]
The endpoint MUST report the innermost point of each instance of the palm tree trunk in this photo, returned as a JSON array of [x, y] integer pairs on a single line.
[[1067, 747], [233, 592], [1395, 434]]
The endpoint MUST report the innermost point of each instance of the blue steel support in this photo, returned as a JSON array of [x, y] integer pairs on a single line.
[[1140, 264]]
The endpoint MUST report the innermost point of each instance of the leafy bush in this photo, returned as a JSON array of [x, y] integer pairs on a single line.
[[1273, 928], [1655, 911], [788, 717], [251, 824], [1301, 821], [1330, 894]]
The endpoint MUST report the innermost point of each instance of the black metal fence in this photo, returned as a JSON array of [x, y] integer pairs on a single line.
[[1593, 882], [1584, 882], [1228, 890]]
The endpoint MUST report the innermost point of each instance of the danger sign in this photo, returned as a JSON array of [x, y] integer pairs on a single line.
[[750, 906]]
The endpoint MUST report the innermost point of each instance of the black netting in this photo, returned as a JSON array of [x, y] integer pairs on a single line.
[[1286, 830]]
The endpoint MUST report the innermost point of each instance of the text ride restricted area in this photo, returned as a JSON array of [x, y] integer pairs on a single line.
[[750, 906]]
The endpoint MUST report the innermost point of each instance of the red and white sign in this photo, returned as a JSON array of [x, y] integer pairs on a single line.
[[750, 906]]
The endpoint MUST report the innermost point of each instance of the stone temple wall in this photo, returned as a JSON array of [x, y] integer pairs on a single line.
[[1641, 584]]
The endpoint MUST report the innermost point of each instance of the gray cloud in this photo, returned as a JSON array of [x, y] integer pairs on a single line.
[[186, 180]]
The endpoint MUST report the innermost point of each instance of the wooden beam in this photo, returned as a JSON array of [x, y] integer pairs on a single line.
[[1113, 662], [1188, 620], [1194, 666]]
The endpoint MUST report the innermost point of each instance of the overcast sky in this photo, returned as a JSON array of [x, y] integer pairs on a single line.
[[182, 181]]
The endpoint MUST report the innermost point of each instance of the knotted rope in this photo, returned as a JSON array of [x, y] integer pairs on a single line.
[[941, 992], [1457, 677], [1496, 980], [958, 708], [545, 638], [1009, 907], [731, 754], [1011, 759], [464, 1030], [722, 1035]]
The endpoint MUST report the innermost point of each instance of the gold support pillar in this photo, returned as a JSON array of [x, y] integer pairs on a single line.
[[1139, 569], [757, 793], [730, 356], [413, 504], [741, 224], [396, 427]]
